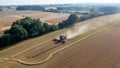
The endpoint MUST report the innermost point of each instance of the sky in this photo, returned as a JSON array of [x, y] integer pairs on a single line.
[[33, 2]]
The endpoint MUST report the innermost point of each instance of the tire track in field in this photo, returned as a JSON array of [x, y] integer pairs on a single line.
[[19, 45], [47, 40], [55, 52], [30, 48]]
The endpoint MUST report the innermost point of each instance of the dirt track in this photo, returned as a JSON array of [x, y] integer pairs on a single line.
[[99, 52]]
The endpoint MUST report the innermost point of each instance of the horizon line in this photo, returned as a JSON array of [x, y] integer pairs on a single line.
[[62, 3]]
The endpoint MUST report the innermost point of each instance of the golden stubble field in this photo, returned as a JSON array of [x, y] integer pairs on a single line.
[[79, 54], [101, 51], [49, 17]]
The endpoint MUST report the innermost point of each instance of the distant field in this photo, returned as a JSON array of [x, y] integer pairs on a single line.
[[9, 12], [8, 17], [83, 52]]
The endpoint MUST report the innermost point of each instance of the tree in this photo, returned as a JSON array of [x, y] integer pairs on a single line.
[[47, 27], [53, 27], [6, 31], [32, 7], [18, 33], [36, 28], [73, 18], [5, 40], [24, 29]]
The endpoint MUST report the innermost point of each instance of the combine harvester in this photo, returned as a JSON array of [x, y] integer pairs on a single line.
[[62, 39]]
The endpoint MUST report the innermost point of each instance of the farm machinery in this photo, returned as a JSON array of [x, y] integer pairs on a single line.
[[62, 39]]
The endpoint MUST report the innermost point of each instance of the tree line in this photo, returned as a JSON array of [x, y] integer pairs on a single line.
[[28, 28], [61, 8], [24, 29], [30, 7]]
